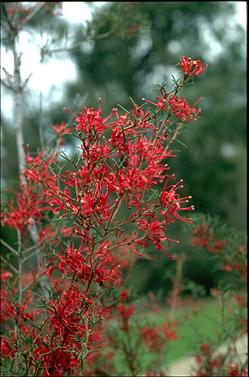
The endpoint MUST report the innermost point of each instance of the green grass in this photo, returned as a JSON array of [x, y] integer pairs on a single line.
[[194, 326]]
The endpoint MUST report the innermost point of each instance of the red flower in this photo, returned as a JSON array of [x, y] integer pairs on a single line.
[[125, 311], [170, 334], [235, 370], [218, 246], [151, 338], [91, 120], [172, 201], [124, 295], [161, 102], [192, 67], [5, 275], [27, 209], [6, 350], [182, 110], [205, 348], [61, 128]]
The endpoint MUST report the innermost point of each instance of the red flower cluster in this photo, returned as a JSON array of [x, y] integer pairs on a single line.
[[179, 107], [233, 256], [61, 129], [203, 237], [210, 363], [26, 210], [155, 337], [182, 110], [89, 215], [192, 67], [125, 312]]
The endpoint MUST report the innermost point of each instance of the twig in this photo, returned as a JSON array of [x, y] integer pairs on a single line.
[[9, 264], [20, 265], [7, 86], [11, 26], [76, 46], [34, 12], [9, 247]]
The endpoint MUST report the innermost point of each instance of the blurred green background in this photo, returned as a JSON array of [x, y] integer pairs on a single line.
[[145, 41]]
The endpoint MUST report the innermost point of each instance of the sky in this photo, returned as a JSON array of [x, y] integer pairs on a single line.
[[57, 71], [60, 68], [74, 11]]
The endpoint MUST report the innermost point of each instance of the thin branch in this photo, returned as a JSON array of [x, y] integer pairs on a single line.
[[30, 255], [32, 282], [40, 121], [9, 247], [34, 12], [7, 86], [77, 45], [26, 80], [31, 248], [9, 264], [20, 266], [11, 26]]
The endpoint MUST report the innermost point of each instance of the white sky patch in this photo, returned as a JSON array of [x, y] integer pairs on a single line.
[[53, 73], [241, 13], [76, 12]]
